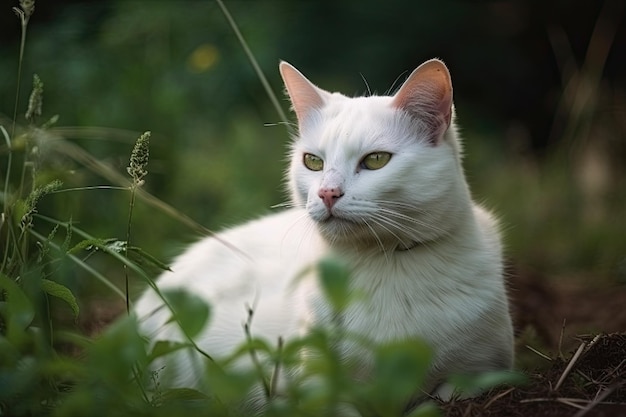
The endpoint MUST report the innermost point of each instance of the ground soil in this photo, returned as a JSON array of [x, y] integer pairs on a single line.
[[591, 383], [571, 336]]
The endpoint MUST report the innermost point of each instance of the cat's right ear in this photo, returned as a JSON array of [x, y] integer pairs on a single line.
[[427, 95], [304, 95]]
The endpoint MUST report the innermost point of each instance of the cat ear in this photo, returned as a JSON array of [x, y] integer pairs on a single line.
[[304, 95], [427, 95]]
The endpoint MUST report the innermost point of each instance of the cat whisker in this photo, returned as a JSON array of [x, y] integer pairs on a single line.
[[406, 219], [392, 227], [389, 216], [378, 241], [308, 230], [411, 232], [409, 219], [392, 88], [400, 204], [386, 223], [369, 91]]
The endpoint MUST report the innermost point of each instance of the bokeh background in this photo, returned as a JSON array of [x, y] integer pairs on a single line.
[[539, 90]]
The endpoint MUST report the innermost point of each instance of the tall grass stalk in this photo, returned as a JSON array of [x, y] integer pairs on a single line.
[[24, 13], [137, 171], [254, 62], [5, 208]]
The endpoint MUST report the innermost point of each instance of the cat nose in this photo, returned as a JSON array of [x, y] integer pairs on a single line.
[[330, 196]]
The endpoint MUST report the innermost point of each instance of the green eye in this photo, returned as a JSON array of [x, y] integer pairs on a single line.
[[375, 160], [312, 162]]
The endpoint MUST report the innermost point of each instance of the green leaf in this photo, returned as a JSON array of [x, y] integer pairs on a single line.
[[399, 372], [91, 244], [9, 354], [476, 383], [427, 409], [229, 385], [183, 394], [18, 309], [113, 245], [62, 292], [116, 351], [74, 339], [334, 277], [260, 346], [189, 311], [143, 257], [165, 347]]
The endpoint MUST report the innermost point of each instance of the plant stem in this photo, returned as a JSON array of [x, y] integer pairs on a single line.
[[253, 356], [276, 373], [128, 229], [24, 21], [5, 209], [24, 17]]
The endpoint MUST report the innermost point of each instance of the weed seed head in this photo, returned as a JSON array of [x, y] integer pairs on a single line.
[[28, 6], [35, 101], [26, 10], [139, 159]]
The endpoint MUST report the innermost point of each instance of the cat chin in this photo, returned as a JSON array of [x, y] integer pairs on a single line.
[[342, 232], [336, 227]]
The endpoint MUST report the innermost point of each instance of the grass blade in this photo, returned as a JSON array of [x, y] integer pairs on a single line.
[[253, 61]]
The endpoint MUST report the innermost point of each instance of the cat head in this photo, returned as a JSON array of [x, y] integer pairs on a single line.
[[378, 170]]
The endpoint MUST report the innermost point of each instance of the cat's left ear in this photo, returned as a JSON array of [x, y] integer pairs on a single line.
[[305, 96], [427, 96]]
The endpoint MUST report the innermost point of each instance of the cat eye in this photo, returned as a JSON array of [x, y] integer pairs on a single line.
[[375, 160], [312, 162]]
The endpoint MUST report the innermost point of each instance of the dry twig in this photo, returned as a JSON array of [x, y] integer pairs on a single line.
[[570, 365]]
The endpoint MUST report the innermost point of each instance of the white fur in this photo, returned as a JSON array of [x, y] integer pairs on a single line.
[[446, 287]]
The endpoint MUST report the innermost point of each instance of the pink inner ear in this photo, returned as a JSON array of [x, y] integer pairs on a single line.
[[427, 96], [303, 94]]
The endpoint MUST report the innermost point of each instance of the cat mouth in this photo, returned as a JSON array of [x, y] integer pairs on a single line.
[[332, 223], [332, 218], [341, 224]]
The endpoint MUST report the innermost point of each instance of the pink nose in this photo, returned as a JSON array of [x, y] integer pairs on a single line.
[[330, 196]]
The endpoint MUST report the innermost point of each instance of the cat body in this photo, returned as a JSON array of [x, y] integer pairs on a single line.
[[378, 183]]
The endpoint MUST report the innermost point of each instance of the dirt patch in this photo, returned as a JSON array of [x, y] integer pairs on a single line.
[[591, 383], [556, 310], [589, 379]]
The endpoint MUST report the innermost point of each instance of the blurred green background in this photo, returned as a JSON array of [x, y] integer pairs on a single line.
[[539, 91]]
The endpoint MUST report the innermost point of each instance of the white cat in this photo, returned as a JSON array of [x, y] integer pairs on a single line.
[[378, 182]]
